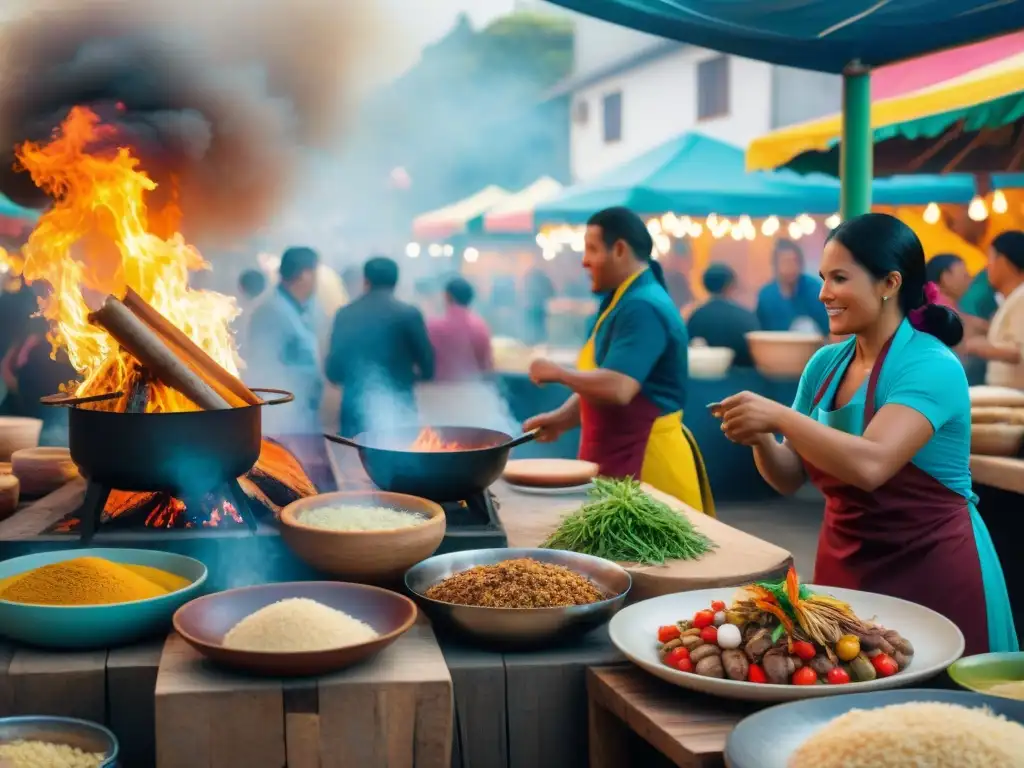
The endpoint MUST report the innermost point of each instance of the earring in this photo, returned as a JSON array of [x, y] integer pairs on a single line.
[[885, 298]]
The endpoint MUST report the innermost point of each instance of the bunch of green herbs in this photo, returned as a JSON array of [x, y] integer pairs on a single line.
[[623, 523]]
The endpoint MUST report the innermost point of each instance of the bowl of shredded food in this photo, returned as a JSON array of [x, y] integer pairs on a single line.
[[94, 598], [518, 597], [55, 742], [884, 729], [368, 537], [295, 629]]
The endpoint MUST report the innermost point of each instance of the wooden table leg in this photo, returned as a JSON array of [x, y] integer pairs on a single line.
[[608, 737]]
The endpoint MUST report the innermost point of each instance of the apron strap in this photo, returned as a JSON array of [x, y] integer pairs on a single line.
[[876, 370], [828, 379]]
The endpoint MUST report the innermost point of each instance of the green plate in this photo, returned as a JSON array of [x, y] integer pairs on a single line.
[[981, 672]]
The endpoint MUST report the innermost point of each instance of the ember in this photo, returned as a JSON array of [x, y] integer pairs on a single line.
[[428, 441]]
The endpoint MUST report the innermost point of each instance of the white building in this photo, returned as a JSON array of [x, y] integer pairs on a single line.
[[633, 91]]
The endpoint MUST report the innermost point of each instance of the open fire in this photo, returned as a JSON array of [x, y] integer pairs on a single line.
[[99, 238]]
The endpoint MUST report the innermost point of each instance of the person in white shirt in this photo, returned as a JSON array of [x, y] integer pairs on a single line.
[[1003, 346]]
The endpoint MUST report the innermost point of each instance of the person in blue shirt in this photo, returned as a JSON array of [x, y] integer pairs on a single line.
[[881, 425], [281, 348], [792, 296], [721, 321]]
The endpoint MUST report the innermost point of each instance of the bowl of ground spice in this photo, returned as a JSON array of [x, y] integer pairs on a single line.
[[94, 598], [518, 597], [38, 741]]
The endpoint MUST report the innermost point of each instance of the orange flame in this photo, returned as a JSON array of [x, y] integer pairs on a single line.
[[428, 441], [99, 235]]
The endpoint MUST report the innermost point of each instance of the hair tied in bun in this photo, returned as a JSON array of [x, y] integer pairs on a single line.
[[931, 296]]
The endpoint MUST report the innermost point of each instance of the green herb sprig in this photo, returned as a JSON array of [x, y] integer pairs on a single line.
[[622, 523]]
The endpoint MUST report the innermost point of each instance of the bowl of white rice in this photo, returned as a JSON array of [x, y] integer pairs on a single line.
[[39, 740], [295, 628], [370, 537]]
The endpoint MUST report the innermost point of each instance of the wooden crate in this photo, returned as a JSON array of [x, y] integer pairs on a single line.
[[394, 711], [112, 687]]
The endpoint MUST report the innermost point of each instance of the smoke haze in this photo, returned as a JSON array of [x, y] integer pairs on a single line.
[[219, 97]]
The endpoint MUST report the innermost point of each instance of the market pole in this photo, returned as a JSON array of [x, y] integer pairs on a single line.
[[856, 146]]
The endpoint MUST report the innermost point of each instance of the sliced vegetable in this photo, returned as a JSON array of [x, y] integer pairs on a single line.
[[803, 650], [838, 676], [668, 632], [848, 647], [756, 674], [703, 619], [885, 665], [805, 676]]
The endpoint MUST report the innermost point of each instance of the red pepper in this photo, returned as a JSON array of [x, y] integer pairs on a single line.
[[756, 674], [668, 632], [703, 619], [804, 650], [676, 655], [885, 665], [838, 676], [805, 676], [717, 605], [709, 635]]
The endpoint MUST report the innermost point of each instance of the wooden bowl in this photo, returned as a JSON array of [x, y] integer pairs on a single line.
[[989, 414], [43, 470], [549, 473], [996, 439], [1004, 397], [782, 354], [16, 433], [204, 622], [9, 492], [374, 557]]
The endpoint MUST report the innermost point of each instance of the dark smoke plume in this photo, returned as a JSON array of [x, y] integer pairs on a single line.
[[217, 95]]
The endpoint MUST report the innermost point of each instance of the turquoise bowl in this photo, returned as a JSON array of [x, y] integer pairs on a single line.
[[979, 673], [80, 627]]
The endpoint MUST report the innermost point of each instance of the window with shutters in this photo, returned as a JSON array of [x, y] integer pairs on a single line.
[[713, 88], [612, 117]]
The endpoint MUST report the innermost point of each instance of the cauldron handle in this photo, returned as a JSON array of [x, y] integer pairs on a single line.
[[342, 440], [285, 396], [63, 400], [523, 438]]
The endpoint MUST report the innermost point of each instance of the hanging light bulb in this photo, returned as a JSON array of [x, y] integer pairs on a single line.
[[668, 222], [770, 226], [737, 233], [712, 221], [412, 250], [696, 229], [932, 214], [662, 243], [549, 254], [435, 250], [448, 251], [999, 204], [470, 255], [977, 210], [806, 223], [654, 227], [542, 239], [833, 221], [795, 233]]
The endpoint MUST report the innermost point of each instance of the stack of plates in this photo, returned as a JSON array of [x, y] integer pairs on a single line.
[[550, 476]]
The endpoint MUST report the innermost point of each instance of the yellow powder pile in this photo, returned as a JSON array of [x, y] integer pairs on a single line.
[[89, 581], [915, 734], [40, 754]]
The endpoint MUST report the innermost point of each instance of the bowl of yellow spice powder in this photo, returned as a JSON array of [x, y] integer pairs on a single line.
[[94, 598]]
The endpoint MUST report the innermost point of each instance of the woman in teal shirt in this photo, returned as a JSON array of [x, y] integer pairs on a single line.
[[881, 425]]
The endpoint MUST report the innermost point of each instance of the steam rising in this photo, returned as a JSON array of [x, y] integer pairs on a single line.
[[216, 98]]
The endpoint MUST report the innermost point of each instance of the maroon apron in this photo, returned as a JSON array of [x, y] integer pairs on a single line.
[[910, 538]]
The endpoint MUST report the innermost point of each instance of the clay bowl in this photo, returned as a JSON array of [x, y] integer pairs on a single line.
[[17, 432], [43, 470], [996, 439], [782, 354], [373, 557], [709, 362], [549, 473], [204, 622], [9, 494], [1005, 397]]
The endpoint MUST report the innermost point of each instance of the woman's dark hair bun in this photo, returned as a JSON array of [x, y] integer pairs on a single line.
[[943, 323]]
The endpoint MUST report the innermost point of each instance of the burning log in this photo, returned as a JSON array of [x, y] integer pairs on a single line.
[[148, 348], [227, 386]]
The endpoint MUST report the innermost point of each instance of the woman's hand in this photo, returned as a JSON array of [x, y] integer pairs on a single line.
[[544, 372], [749, 419], [550, 426]]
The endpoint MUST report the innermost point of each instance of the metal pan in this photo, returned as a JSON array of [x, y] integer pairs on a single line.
[[435, 475]]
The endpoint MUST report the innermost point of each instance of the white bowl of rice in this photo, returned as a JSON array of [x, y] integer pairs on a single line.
[[370, 537]]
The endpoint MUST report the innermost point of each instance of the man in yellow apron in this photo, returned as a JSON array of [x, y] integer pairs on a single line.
[[630, 381]]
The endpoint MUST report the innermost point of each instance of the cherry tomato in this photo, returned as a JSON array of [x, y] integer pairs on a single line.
[[676, 655], [848, 647], [838, 676], [885, 665], [804, 650], [717, 605], [709, 635], [805, 676], [668, 632], [756, 674], [685, 665], [703, 619]]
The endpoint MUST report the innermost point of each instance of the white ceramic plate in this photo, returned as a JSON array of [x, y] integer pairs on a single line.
[[570, 490], [937, 642]]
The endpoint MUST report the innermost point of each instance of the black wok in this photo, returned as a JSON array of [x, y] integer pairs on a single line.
[[191, 452], [435, 475]]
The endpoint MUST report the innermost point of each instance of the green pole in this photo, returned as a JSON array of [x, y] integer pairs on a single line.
[[856, 148]]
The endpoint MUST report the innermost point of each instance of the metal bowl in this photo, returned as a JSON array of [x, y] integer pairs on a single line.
[[86, 736], [518, 627]]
